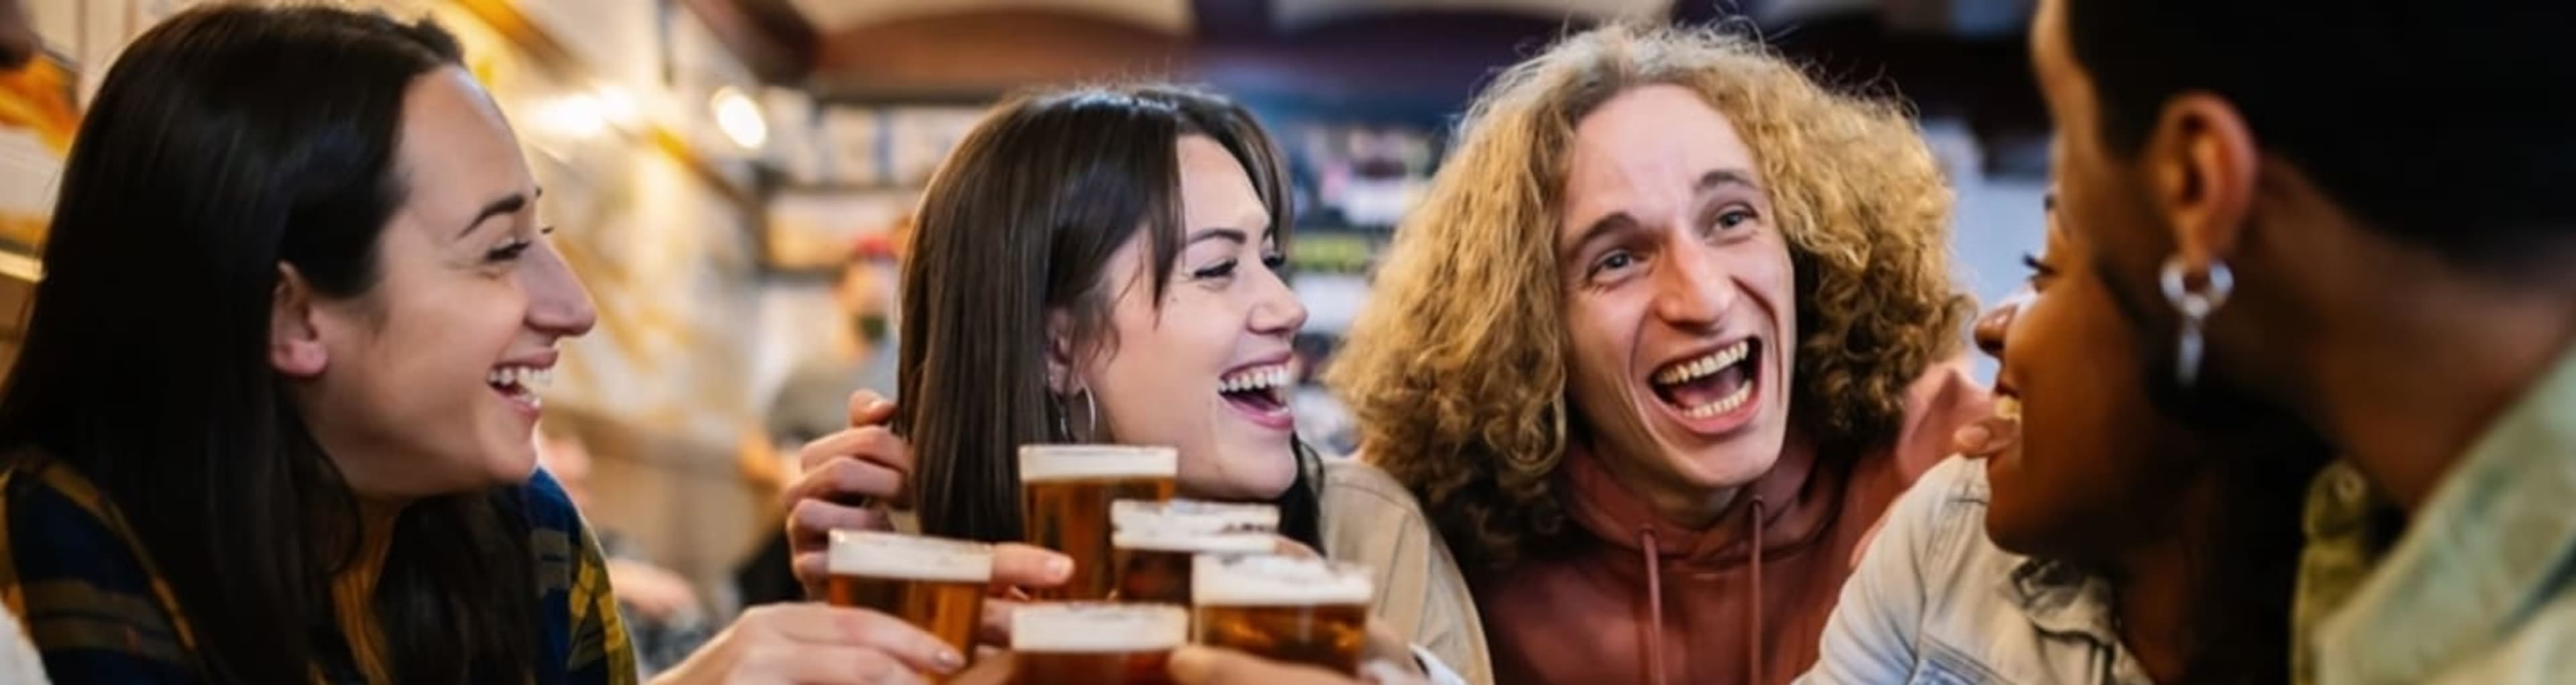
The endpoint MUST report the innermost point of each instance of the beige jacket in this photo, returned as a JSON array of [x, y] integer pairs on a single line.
[[1372, 521]]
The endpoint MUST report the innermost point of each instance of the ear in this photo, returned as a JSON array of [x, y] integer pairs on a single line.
[[1062, 367], [294, 335], [2201, 164]]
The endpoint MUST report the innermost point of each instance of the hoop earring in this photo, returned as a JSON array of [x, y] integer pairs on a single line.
[[1064, 418], [2195, 307]]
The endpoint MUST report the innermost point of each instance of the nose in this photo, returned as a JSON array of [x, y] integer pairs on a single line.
[[558, 305], [1276, 310], [1693, 286], [1996, 322]]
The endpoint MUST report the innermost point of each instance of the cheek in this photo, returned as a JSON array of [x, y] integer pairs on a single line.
[[1597, 335], [2084, 418], [1163, 366], [1775, 279]]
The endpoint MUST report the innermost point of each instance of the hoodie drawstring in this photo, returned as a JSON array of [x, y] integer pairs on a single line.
[[1753, 603], [1654, 627]]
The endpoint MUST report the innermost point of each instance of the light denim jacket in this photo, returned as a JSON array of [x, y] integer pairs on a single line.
[[1935, 602]]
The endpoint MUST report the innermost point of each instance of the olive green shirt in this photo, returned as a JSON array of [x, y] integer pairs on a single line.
[[2478, 590]]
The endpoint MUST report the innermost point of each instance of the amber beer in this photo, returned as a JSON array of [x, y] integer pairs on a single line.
[[1291, 609], [935, 584], [1155, 542], [1065, 491], [1095, 644]]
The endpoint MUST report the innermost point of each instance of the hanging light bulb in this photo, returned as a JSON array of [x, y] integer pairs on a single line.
[[740, 118]]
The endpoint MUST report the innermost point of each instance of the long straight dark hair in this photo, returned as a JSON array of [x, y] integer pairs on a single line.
[[1019, 222], [229, 141]]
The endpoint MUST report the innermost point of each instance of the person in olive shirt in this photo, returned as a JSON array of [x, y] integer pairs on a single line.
[[2356, 211]]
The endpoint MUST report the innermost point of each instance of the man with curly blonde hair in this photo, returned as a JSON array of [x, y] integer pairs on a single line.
[[1671, 329]]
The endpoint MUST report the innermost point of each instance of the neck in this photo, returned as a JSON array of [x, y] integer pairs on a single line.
[[1672, 499], [2411, 382], [2156, 587]]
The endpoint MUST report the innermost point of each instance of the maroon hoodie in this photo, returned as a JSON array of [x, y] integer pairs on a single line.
[[1741, 602]]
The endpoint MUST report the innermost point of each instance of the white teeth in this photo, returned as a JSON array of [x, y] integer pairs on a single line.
[[1729, 403], [2008, 408], [1700, 368], [524, 377], [1256, 379]]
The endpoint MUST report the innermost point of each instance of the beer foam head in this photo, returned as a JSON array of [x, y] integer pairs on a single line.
[[1274, 580], [1099, 627], [1194, 516], [908, 557], [1195, 542], [1194, 526], [1066, 462]]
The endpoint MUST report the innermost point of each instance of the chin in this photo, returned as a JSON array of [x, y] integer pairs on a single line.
[[511, 468], [2004, 525], [1253, 471], [1727, 467]]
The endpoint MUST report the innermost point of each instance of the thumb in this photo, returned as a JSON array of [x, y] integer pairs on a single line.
[[868, 408]]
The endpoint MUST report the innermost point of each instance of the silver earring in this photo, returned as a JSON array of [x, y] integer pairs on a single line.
[[1064, 418], [2195, 307]]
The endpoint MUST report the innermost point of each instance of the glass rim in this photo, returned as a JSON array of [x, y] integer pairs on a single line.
[[898, 556], [1255, 580], [1046, 462]]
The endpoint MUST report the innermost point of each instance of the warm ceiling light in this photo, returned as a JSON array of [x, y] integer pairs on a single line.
[[740, 118]]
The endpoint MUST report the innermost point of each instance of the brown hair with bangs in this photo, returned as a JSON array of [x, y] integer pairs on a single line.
[[1017, 227]]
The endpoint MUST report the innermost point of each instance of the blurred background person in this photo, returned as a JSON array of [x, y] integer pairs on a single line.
[[815, 401]]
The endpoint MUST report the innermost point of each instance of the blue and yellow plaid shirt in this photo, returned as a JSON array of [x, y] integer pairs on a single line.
[[97, 609]]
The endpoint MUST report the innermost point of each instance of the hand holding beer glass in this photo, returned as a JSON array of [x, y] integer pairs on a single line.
[[1156, 541], [1066, 491], [935, 584], [1289, 609]]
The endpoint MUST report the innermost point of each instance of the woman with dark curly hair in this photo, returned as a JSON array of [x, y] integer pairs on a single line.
[[1672, 314]]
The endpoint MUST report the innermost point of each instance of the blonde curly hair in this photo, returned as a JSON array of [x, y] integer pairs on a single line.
[[1456, 371]]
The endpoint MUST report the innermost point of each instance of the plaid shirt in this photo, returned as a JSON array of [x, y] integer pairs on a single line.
[[99, 612]]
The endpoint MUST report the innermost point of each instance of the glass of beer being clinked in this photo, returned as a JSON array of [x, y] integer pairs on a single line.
[[1293, 609], [1065, 491], [1155, 542], [1086, 643], [936, 584]]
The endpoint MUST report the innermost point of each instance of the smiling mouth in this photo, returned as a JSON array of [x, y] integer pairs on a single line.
[[1259, 390], [1710, 385], [519, 383]]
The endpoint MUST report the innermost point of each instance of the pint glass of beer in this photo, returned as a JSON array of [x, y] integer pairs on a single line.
[[1297, 610], [1065, 491], [1156, 541], [1085, 643], [935, 584]]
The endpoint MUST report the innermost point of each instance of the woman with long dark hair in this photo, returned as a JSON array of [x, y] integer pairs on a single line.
[[1104, 265], [273, 419]]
